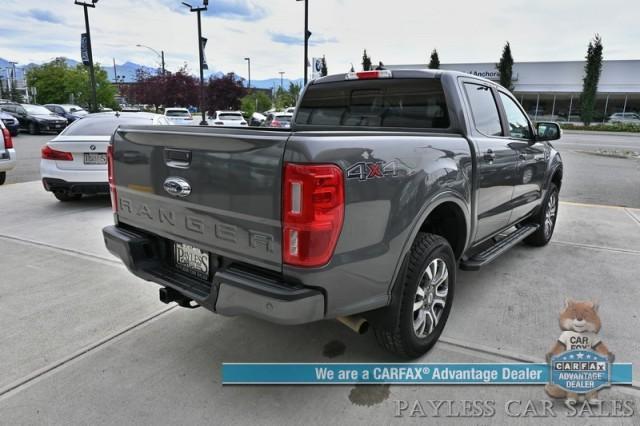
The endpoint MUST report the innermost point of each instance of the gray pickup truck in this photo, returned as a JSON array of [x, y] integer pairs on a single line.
[[386, 183]]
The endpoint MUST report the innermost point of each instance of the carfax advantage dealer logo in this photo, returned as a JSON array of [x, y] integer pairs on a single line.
[[580, 371]]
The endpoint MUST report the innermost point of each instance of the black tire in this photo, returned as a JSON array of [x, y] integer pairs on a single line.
[[544, 233], [396, 333], [3, 177], [33, 128], [65, 196]]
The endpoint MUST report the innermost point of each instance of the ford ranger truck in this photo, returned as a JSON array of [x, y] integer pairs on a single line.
[[362, 211]]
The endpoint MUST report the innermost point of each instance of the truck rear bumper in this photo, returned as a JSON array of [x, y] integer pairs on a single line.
[[231, 291]]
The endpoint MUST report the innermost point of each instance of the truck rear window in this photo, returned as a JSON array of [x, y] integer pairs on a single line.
[[408, 103]]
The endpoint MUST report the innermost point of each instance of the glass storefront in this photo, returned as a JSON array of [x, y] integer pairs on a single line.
[[566, 106]]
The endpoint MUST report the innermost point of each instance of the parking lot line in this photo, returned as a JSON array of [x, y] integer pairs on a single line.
[[608, 206], [7, 390], [594, 247], [61, 249]]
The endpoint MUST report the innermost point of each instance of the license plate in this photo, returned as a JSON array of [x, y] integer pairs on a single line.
[[191, 260], [95, 158]]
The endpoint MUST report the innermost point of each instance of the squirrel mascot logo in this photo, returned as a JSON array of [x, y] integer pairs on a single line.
[[580, 325]]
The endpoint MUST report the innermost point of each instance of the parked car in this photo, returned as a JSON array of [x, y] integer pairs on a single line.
[[362, 212], [75, 162], [180, 116], [624, 118], [10, 122], [278, 120], [68, 111], [227, 118], [257, 119], [35, 118], [290, 110], [7, 152]]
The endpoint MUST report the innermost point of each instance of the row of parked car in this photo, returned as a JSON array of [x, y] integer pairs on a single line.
[[74, 163], [182, 116], [38, 118]]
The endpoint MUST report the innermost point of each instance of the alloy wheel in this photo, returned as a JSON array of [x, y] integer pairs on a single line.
[[550, 214], [431, 298]]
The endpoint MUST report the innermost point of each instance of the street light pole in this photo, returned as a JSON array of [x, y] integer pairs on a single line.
[[249, 69], [198, 10], [160, 55], [281, 79], [94, 102], [307, 35]]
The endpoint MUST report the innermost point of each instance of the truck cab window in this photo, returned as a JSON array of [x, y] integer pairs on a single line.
[[518, 123], [484, 109]]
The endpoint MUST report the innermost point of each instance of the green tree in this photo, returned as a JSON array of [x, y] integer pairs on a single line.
[[505, 67], [56, 82], [366, 61], [324, 71], [592, 70], [294, 92], [258, 101], [434, 62]]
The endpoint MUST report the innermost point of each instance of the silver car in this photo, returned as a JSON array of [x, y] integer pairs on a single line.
[[624, 118]]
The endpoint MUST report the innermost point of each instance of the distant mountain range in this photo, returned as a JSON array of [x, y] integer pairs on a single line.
[[128, 71]]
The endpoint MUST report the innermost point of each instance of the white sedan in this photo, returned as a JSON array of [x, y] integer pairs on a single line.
[[178, 116], [75, 162], [227, 118]]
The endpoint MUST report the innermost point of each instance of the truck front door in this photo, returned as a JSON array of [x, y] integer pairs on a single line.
[[496, 160]]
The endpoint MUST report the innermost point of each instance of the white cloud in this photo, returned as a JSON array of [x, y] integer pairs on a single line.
[[402, 31]]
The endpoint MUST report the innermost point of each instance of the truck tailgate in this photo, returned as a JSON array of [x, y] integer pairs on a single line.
[[233, 208]]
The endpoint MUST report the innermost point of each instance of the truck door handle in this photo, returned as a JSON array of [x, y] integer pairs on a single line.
[[489, 155]]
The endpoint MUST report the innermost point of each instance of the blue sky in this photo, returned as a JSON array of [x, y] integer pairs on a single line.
[[270, 32]]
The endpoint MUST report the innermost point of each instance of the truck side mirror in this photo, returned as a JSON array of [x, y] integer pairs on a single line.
[[548, 131]]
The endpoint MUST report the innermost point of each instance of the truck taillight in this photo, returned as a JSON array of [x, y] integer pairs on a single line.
[[49, 153], [312, 213], [8, 142], [112, 183], [368, 75]]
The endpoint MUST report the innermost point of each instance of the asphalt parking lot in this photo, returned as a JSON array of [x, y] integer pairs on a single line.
[[85, 342]]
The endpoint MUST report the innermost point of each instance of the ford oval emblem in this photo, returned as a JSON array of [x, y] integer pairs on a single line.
[[177, 187]]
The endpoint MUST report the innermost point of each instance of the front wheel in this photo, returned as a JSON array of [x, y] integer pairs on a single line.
[[33, 128], [413, 325], [545, 219], [3, 177]]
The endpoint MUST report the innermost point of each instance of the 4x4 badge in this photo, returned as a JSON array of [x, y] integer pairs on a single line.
[[366, 170]]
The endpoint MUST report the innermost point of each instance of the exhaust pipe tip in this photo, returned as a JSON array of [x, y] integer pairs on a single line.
[[358, 324]]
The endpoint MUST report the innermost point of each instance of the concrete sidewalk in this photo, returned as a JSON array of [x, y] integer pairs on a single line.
[[85, 342]]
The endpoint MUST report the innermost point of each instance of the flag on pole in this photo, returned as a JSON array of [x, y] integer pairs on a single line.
[[204, 40]]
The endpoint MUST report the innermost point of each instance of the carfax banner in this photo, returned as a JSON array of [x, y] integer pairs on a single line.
[[575, 375]]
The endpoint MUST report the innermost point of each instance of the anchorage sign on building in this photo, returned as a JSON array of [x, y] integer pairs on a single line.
[[493, 75]]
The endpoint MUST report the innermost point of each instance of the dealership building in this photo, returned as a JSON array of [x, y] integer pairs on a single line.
[[551, 90]]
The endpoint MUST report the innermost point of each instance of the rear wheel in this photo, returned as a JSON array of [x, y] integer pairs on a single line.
[[545, 219], [413, 325], [66, 196], [33, 128], [3, 177]]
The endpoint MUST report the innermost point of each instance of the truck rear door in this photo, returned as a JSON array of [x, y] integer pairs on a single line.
[[215, 190]]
